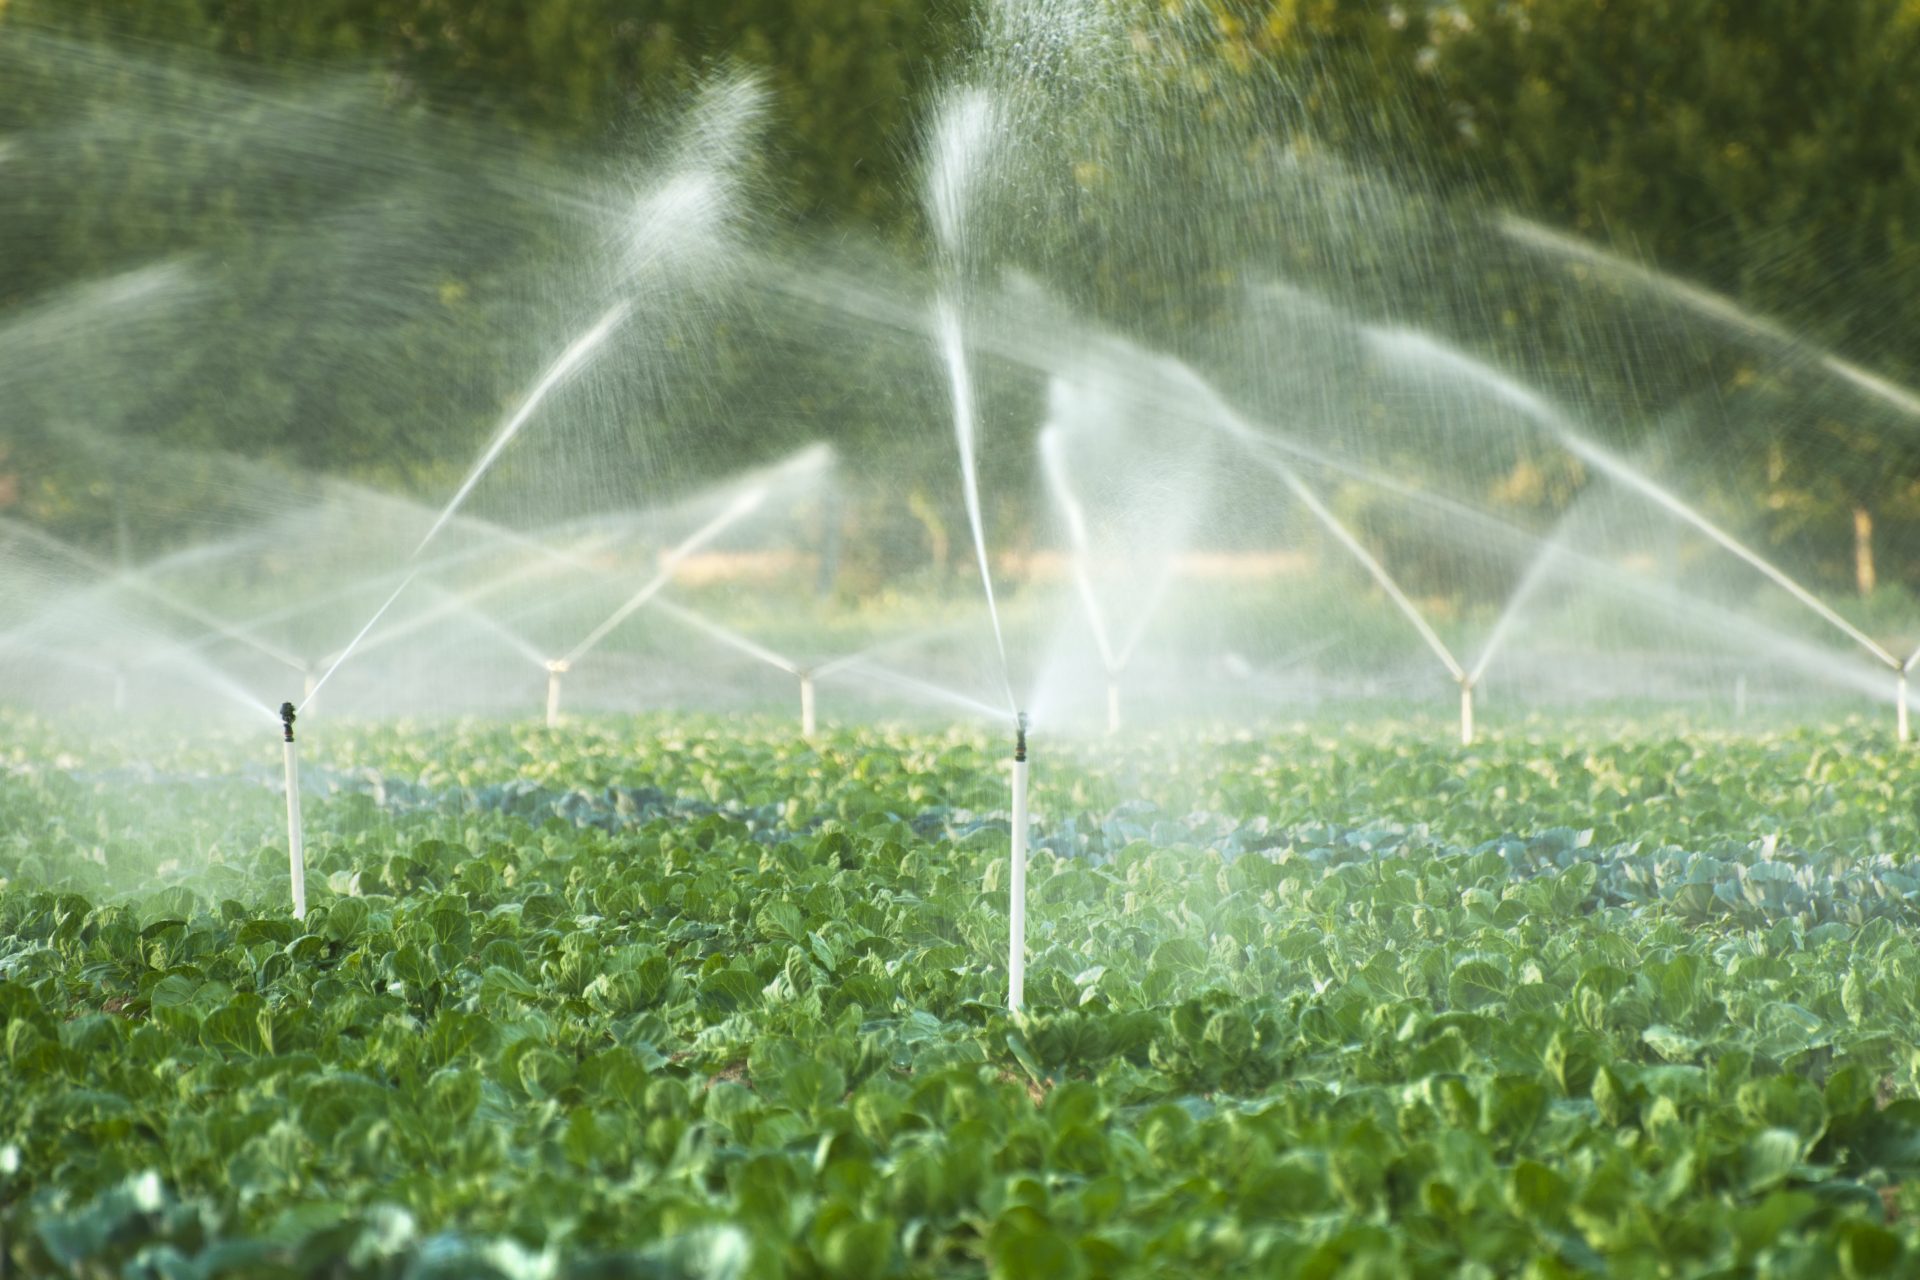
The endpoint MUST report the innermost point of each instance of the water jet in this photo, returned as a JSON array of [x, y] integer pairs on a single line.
[[1418, 350], [741, 507], [1222, 416]]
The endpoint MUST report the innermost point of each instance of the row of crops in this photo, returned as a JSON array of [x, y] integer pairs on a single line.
[[661, 999]]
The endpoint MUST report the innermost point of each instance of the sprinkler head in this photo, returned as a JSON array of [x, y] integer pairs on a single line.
[[1020, 736], [287, 716], [558, 666]]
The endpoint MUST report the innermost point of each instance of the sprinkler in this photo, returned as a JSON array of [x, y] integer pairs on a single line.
[[1113, 705], [556, 667], [807, 722], [296, 847], [1466, 711], [1017, 883]]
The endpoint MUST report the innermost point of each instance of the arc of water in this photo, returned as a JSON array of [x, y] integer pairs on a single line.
[[1257, 443], [1047, 352], [1509, 616], [931, 692], [1054, 468], [205, 676], [497, 537], [62, 656], [1874, 385], [1420, 347], [1371, 564], [1620, 470], [753, 649], [565, 557], [954, 347], [1705, 302], [449, 605], [1114, 660], [111, 575], [1707, 618], [353, 644], [513, 639], [225, 629], [1050, 350], [735, 511], [211, 678], [1144, 618], [569, 361], [727, 636], [873, 651]]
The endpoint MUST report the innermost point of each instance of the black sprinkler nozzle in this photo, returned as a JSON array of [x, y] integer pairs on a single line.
[[287, 716], [1020, 736]]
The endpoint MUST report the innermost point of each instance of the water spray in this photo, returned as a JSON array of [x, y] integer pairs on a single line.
[[1223, 416], [1421, 350], [741, 507], [1017, 881], [1074, 515], [1715, 306], [556, 667], [755, 650], [111, 576], [966, 435], [296, 846], [569, 362], [354, 643]]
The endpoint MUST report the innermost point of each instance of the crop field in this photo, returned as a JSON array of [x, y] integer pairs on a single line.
[[652, 998]]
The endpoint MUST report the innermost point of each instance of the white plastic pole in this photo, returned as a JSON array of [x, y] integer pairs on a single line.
[[1466, 714], [1017, 883], [296, 844], [1903, 731], [807, 722], [555, 670], [1113, 707]]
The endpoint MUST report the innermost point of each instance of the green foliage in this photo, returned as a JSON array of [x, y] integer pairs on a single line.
[[670, 1036]]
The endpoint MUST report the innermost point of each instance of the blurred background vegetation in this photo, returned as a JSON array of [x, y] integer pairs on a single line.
[[1768, 150]]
